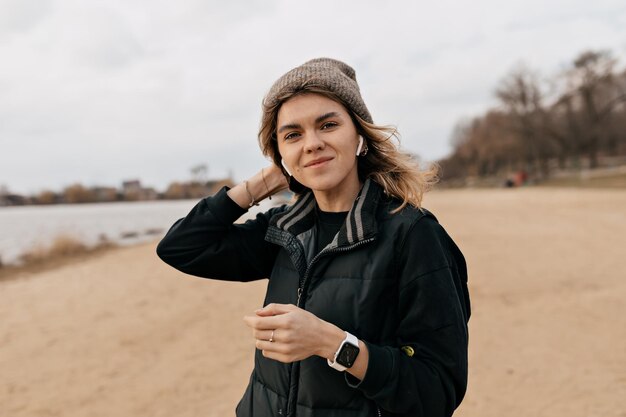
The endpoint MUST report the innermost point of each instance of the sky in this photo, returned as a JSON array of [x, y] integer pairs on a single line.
[[99, 92]]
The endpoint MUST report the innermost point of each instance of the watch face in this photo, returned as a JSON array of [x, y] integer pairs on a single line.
[[347, 355]]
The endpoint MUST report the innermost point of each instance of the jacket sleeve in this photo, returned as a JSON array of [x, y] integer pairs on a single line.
[[208, 244], [425, 373]]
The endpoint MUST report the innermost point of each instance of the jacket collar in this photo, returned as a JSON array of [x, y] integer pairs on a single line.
[[360, 222]]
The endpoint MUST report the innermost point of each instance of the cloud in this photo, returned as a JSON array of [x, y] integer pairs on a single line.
[[19, 16], [104, 91]]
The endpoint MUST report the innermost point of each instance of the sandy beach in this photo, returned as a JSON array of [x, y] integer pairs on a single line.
[[123, 334]]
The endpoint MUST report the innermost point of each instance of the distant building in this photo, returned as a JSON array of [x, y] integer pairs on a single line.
[[131, 186], [104, 194], [13, 200], [149, 193], [133, 191], [194, 190]]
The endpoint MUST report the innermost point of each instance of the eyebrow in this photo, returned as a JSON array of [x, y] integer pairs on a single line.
[[317, 120]]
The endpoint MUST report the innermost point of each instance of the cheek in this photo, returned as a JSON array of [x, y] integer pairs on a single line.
[[280, 151], [288, 153]]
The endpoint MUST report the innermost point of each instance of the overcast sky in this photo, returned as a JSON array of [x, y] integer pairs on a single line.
[[102, 91]]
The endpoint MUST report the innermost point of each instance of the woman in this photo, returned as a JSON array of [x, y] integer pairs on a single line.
[[367, 306]]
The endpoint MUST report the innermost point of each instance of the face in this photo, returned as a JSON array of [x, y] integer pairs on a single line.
[[317, 140]]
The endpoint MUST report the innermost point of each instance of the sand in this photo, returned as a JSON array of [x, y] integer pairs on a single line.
[[123, 334]]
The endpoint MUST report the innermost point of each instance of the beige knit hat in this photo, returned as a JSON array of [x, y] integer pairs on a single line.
[[327, 73]]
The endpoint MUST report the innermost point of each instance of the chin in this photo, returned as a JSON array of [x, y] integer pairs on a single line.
[[319, 185], [326, 183]]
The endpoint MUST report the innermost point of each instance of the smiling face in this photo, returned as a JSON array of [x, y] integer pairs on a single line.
[[317, 140]]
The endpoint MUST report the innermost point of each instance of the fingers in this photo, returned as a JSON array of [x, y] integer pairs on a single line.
[[272, 346], [274, 178], [269, 335], [286, 326], [281, 357], [272, 316], [267, 323], [274, 309], [279, 351]]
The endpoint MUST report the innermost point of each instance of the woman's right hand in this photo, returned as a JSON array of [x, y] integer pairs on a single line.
[[264, 183], [275, 179]]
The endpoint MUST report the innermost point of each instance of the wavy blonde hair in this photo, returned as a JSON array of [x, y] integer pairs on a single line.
[[397, 172]]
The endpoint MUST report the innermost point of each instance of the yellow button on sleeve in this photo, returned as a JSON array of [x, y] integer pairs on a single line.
[[408, 350]]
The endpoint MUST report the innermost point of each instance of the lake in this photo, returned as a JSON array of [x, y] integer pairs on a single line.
[[123, 223]]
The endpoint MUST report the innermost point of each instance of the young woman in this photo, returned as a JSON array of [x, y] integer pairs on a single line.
[[367, 305]]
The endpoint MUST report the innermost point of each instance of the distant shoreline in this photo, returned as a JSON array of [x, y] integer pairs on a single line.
[[65, 248]]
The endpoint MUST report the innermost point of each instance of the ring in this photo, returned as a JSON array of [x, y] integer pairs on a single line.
[[272, 336]]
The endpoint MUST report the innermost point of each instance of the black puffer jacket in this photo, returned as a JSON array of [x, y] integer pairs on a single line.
[[396, 281]]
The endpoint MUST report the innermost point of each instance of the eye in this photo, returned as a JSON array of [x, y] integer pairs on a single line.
[[291, 135], [328, 125]]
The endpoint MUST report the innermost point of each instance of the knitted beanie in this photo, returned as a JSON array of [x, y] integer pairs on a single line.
[[326, 73]]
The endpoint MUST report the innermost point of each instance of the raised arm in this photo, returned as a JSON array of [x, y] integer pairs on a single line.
[[207, 242]]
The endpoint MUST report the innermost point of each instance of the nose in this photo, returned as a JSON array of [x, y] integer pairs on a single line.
[[312, 143]]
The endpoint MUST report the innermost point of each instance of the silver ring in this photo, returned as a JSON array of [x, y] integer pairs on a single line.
[[272, 336]]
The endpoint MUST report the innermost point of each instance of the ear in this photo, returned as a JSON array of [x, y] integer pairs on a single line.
[[282, 162], [358, 149]]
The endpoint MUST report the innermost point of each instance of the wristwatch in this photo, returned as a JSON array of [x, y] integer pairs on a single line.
[[346, 354]]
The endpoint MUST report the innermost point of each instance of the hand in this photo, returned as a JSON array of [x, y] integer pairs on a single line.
[[275, 178], [264, 183], [297, 333]]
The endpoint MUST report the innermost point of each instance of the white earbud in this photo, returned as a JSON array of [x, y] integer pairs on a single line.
[[282, 161], [358, 149]]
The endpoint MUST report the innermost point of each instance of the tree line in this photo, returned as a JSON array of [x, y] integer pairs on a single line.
[[574, 120], [130, 191]]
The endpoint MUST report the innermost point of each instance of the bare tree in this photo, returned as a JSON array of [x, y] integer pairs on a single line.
[[484, 146], [521, 97], [594, 93], [582, 114], [199, 173], [77, 193]]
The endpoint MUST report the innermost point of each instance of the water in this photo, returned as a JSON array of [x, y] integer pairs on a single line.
[[123, 223]]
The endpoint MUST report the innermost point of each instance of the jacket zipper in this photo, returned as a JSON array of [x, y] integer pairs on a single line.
[[301, 287], [303, 280]]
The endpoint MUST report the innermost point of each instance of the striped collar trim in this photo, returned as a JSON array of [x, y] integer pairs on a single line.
[[360, 222]]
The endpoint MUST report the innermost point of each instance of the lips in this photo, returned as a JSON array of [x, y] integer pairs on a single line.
[[316, 162]]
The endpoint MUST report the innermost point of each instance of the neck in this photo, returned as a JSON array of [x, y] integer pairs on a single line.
[[337, 200]]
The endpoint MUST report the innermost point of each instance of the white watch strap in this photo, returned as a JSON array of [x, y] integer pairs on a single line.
[[350, 338]]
